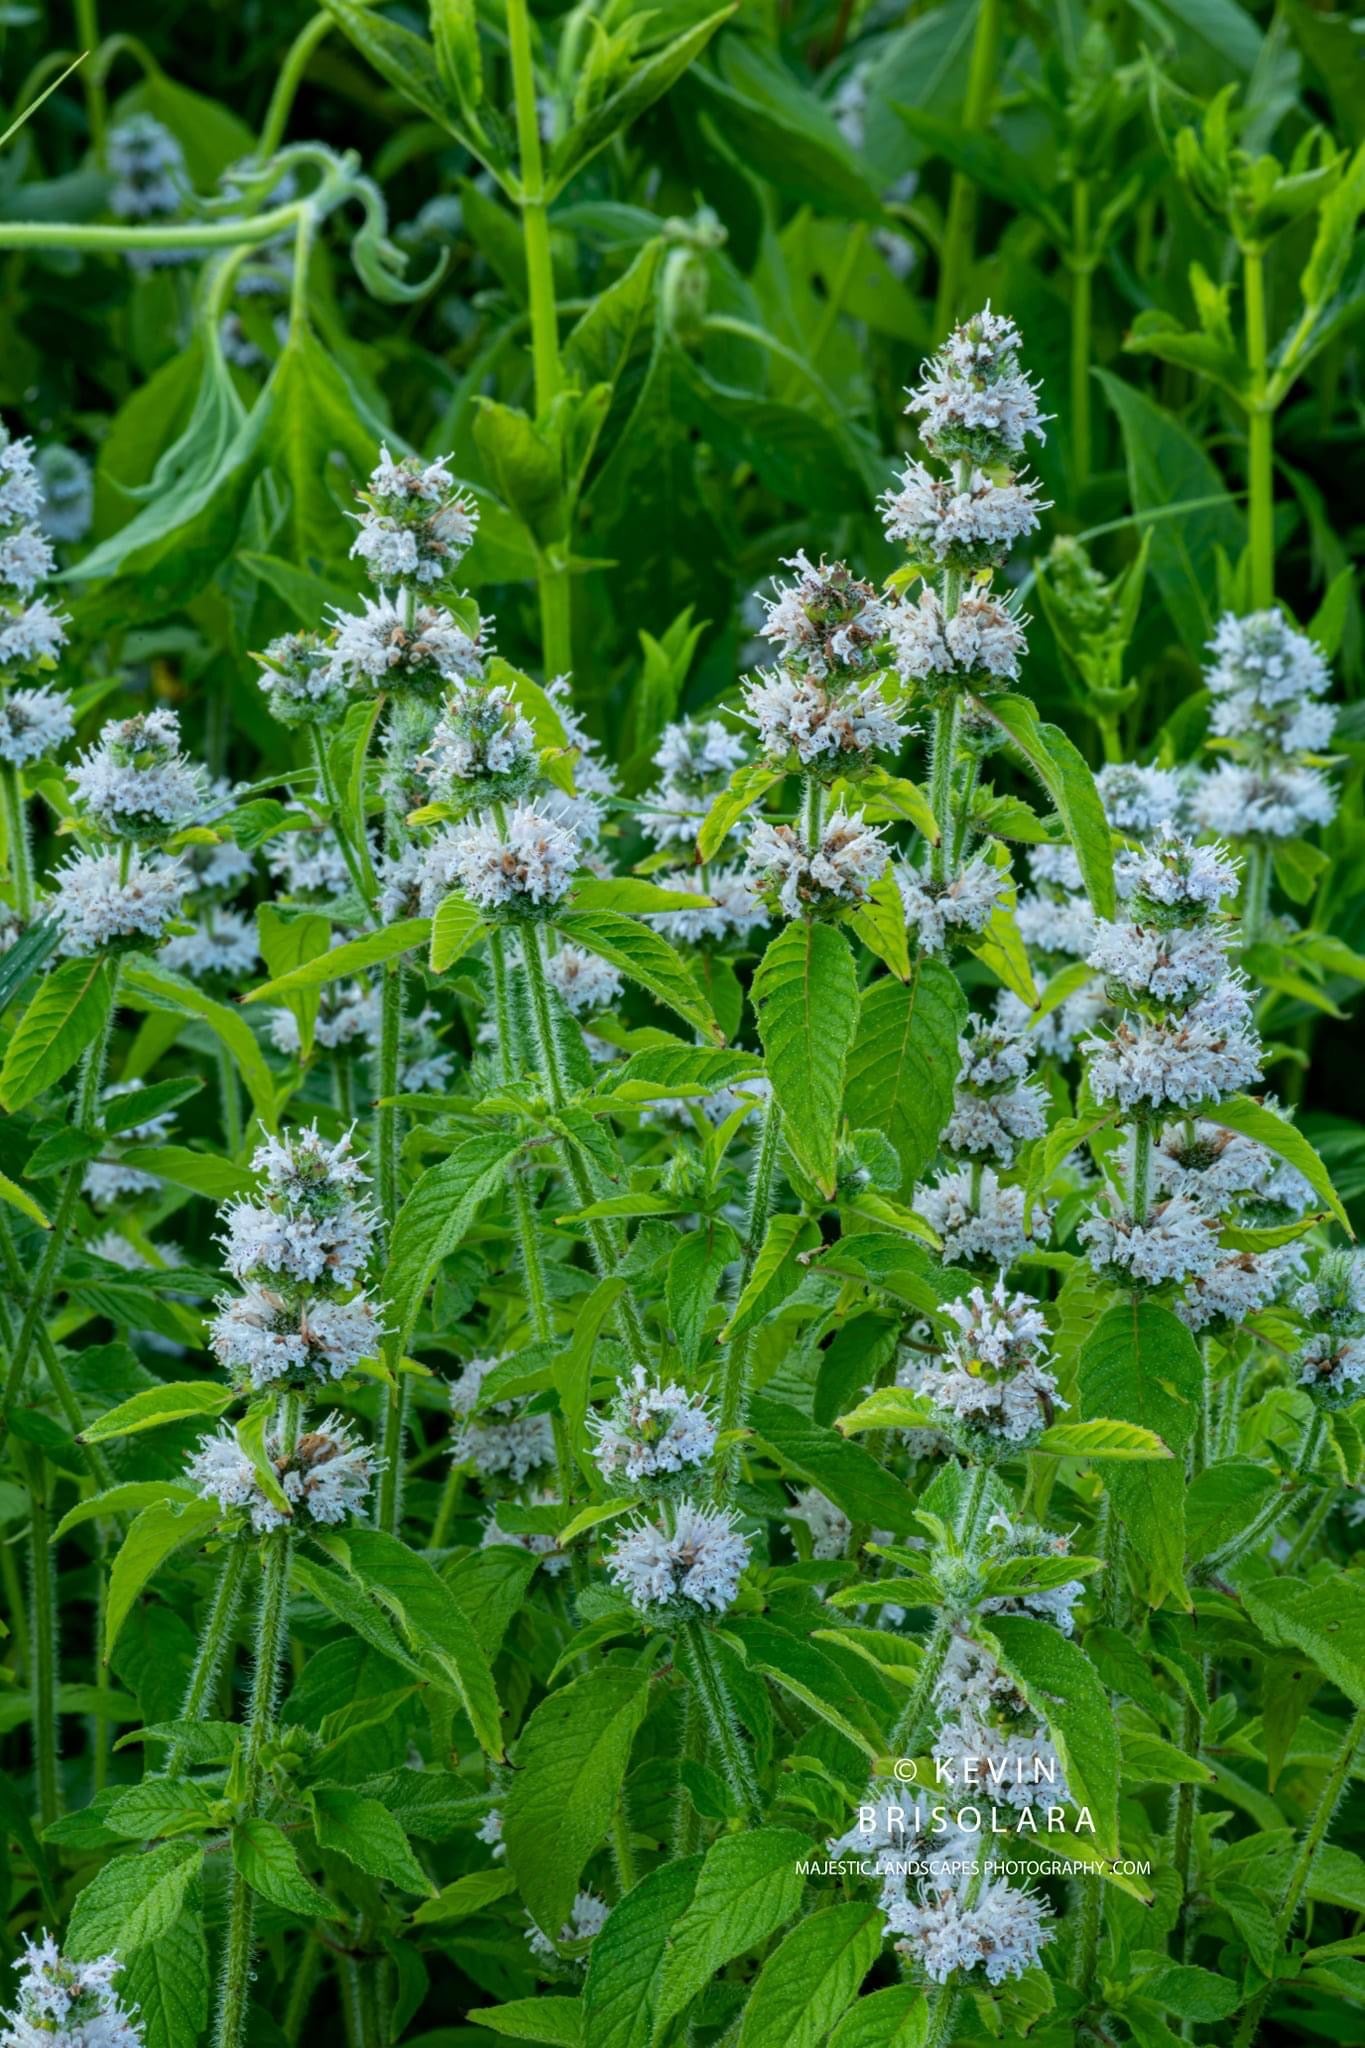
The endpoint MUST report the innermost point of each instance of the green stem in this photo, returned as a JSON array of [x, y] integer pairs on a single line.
[[117, 241], [1183, 1810], [1276, 1507], [307, 1970], [92, 78], [943, 2003], [1082, 279], [214, 1644], [914, 1718], [272, 1626], [389, 1506], [54, 1251], [686, 1819], [960, 229], [1302, 1867], [288, 82], [551, 575], [20, 850], [854, 242], [44, 1639], [943, 753], [229, 1089], [1260, 435], [365, 886], [728, 1744], [734, 1380], [1312, 1528], [1255, 891], [1140, 1175]]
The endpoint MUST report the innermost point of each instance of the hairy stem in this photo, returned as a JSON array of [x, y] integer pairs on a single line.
[[1260, 435], [43, 1624], [20, 849], [1082, 280], [734, 1371], [214, 1644], [1276, 1507], [728, 1744], [389, 1507]]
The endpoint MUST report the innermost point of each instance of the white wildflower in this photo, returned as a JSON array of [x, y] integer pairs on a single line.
[[147, 166], [1239, 1285], [26, 559], [1009, 1762], [31, 637], [136, 783], [587, 1917], [1055, 1035], [696, 1562], [1139, 800], [62, 2004], [798, 716], [988, 1229], [1171, 963], [1062, 926], [310, 863], [300, 681], [1177, 1241], [851, 856], [21, 491], [1274, 801], [489, 1831], [993, 1378], [526, 868], [481, 749], [98, 908], [651, 1430], [1003, 1933], [1262, 656], [830, 1528], [584, 983], [970, 528], [503, 1442], [1208, 1053], [734, 910], [546, 1548], [825, 624], [384, 648], [327, 1476], [1335, 1296], [974, 401], [1173, 875], [958, 907], [306, 1226], [260, 1337], [33, 723], [222, 942], [1333, 1368]]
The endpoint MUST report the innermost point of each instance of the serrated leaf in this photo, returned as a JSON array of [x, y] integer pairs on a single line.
[[365, 1833], [749, 1886], [1062, 1685], [805, 996], [904, 1061], [455, 930], [340, 963], [776, 1272], [66, 1015], [1140, 1364], [1253, 1120], [1068, 781], [644, 956], [151, 1539], [1099, 1438], [131, 1902], [808, 1983], [434, 1218], [176, 1401]]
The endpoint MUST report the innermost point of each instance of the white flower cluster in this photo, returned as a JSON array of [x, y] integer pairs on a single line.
[[830, 1528], [298, 1248], [974, 401], [692, 1562], [300, 680], [417, 524], [32, 633], [1267, 681], [1187, 1036], [504, 1442], [135, 782], [587, 1917], [583, 813], [68, 493], [1177, 1241], [969, 525], [958, 908], [1055, 1035], [986, 1225], [147, 166], [993, 1382], [1010, 1540], [981, 644], [33, 723], [1332, 1361], [61, 2004], [735, 908], [1001, 1932], [310, 864], [791, 878], [326, 1477], [826, 625], [481, 751], [695, 759], [108, 1178], [223, 943], [1139, 800], [1219, 1167], [584, 983], [799, 717], [109, 902], [652, 1431], [894, 1830], [522, 871], [394, 645], [1238, 1285], [996, 1107]]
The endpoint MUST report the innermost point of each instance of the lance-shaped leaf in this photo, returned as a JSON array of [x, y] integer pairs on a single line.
[[749, 1887], [1066, 778], [1101, 1439], [344, 961], [904, 1061], [808, 1983], [152, 987], [434, 1218], [66, 1015], [805, 995], [1253, 1120], [151, 1538], [644, 83], [1140, 1364], [644, 956], [1063, 1687], [455, 930]]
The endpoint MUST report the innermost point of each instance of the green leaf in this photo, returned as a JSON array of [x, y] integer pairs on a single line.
[[455, 930], [851, 1477], [808, 1983], [1062, 1685], [1253, 1120], [1171, 477], [1325, 1621], [267, 1859], [570, 1761], [465, 1896], [176, 1401], [777, 1271], [805, 996], [166, 1981], [1186, 1990], [1068, 781], [157, 1807], [410, 65], [645, 82], [747, 786], [749, 1887], [286, 943], [19, 1198], [342, 962], [1140, 1364], [434, 1218], [664, 1073], [367, 1835], [904, 1061], [66, 1015], [200, 1173], [1101, 1439], [435, 1624], [131, 1902], [810, 1674], [156, 988], [634, 895], [628, 1957], [645, 957], [558, 2021], [695, 1268], [895, 2018], [151, 1538], [121, 1500]]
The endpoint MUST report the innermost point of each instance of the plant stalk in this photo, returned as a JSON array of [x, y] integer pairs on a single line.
[[213, 1648], [1260, 434], [960, 229], [1082, 282]]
